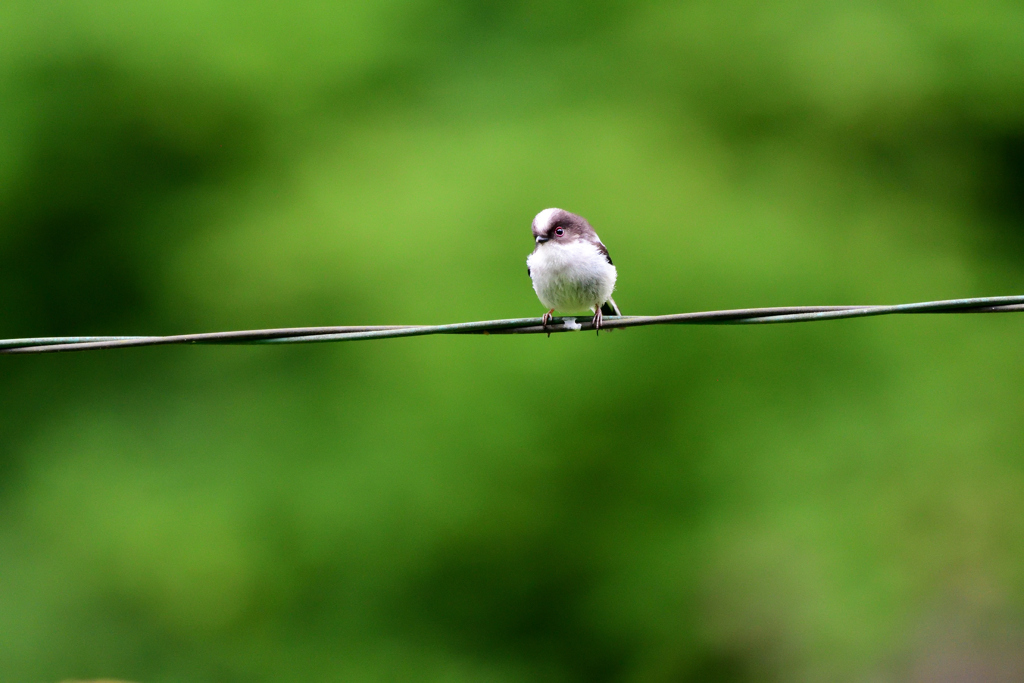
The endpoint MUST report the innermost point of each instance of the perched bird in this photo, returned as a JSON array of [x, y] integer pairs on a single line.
[[570, 268]]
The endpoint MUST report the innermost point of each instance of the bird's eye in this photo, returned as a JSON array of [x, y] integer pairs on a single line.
[[559, 231]]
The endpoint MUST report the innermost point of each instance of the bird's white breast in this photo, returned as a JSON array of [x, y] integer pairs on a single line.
[[572, 277]]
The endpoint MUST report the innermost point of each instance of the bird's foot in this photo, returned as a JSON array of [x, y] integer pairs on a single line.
[[597, 321], [545, 319]]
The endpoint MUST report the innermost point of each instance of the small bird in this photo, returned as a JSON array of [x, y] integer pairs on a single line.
[[570, 267]]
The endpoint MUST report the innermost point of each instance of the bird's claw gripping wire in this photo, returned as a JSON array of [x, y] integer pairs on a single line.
[[545, 319]]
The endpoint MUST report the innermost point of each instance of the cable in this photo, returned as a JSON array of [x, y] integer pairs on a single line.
[[308, 335]]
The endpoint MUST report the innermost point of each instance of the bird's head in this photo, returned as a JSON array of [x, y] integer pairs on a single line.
[[558, 225]]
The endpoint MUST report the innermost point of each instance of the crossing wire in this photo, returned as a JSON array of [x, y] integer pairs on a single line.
[[309, 335]]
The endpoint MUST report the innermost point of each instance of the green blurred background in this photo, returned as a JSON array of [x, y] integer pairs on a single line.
[[842, 501]]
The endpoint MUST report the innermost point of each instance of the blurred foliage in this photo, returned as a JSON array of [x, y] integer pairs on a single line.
[[837, 501]]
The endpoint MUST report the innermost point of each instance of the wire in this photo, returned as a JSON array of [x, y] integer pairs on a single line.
[[308, 335]]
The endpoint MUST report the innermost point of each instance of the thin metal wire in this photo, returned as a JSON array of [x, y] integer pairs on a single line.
[[309, 335]]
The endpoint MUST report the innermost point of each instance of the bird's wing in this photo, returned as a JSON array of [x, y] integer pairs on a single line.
[[608, 307]]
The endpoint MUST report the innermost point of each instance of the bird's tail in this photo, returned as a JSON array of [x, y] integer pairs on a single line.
[[610, 308]]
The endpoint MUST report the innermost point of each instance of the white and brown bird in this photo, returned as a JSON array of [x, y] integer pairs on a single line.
[[570, 267]]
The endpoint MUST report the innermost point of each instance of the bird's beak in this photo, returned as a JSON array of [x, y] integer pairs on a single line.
[[541, 239]]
